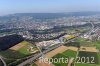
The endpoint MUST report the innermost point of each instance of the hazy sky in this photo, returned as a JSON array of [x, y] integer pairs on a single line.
[[41, 6]]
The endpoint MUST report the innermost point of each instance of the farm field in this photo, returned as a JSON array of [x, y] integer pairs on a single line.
[[66, 55], [85, 64], [18, 51], [97, 44], [88, 49], [91, 49], [69, 53], [89, 54], [91, 59], [84, 42], [56, 51]]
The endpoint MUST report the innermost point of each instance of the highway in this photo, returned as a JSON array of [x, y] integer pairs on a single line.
[[36, 56]]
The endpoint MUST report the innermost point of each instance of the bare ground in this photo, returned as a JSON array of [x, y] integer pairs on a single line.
[[88, 49], [39, 63], [17, 47]]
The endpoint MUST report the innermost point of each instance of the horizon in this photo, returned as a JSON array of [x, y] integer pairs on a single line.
[[47, 6], [49, 12]]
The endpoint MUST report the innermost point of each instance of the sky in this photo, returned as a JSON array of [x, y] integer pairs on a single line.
[[47, 6]]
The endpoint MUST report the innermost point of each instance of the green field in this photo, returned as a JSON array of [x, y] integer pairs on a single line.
[[12, 55], [89, 54], [66, 55], [69, 53], [20, 53], [34, 64], [97, 44], [87, 43], [85, 64], [88, 62], [99, 57], [60, 63], [84, 42], [89, 57]]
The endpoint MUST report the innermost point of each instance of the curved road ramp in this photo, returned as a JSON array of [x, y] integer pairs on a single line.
[[2, 62]]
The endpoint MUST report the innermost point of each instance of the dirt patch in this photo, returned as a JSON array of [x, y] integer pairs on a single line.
[[56, 51], [73, 48], [70, 62], [39, 63], [17, 47], [89, 49], [59, 50]]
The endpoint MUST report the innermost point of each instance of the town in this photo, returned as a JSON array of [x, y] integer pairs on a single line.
[[68, 37]]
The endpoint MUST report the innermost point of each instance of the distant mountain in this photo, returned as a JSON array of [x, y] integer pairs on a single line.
[[89, 13], [55, 15], [19, 17]]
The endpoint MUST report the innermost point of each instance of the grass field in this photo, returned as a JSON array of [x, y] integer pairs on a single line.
[[99, 57], [97, 44], [33, 64], [89, 54], [66, 55], [93, 57], [69, 53], [96, 55], [12, 54], [15, 54], [19, 53], [84, 42], [58, 56], [85, 64]]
